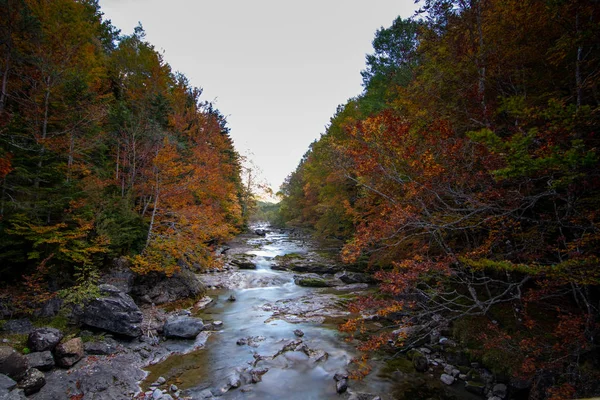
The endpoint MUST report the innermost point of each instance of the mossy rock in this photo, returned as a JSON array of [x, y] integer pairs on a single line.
[[398, 364], [312, 282], [475, 387]]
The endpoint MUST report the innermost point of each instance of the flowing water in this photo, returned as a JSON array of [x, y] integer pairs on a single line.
[[269, 306]]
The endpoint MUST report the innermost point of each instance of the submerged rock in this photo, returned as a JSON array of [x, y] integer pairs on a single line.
[[183, 327]]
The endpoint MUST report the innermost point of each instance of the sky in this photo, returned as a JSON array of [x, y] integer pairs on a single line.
[[277, 69]]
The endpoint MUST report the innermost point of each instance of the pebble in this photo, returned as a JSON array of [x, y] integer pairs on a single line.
[[161, 380], [174, 388], [217, 324], [157, 394]]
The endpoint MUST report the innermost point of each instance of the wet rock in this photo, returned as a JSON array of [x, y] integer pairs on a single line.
[[317, 355], [298, 333], [12, 363], [447, 379], [261, 232], [115, 312], [183, 327], [44, 361], [217, 324], [252, 341], [203, 302], [341, 386], [20, 326], [43, 339], [231, 298], [33, 381], [69, 352], [100, 348], [257, 373]]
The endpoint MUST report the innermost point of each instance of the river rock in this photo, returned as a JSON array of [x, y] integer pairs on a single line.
[[355, 277], [310, 282], [298, 333], [261, 232], [115, 312], [341, 386], [447, 379], [33, 381], [183, 327], [69, 352], [161, 289], [44, 361], [20, 326], [99, 348], [43, 339], [12, 363]]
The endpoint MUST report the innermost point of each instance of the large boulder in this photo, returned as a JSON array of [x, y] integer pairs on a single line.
[[69, 352], [183, 327], [33, 381], [114, 312], [43, 339], [44, 361], [12, 364], [160, 289]]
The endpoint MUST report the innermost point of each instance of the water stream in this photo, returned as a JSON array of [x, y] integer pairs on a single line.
[[268, 307]]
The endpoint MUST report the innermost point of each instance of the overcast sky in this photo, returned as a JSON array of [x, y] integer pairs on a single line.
[[276, 68]]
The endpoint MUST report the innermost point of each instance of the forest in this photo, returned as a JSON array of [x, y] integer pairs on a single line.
[[105, 152], [465, 176]]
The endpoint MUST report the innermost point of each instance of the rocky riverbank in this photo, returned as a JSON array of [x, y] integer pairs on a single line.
[[267, 318]]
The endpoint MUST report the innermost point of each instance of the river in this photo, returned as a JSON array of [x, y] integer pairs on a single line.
[[268, 308]]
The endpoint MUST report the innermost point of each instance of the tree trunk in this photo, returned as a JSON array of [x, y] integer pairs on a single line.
[[156, 194]]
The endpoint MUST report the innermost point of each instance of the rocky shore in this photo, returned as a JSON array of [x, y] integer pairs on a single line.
[[109, 344]]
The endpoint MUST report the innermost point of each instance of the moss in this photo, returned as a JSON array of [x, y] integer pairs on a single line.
[[398, 364], [312, 282]]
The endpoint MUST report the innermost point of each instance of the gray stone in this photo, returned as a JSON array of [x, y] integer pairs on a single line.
[[298, 333], [355, 277], [183, 327], [161, 380], [44, 361], [43, 339], [447, 379], [21, 326], [33, 381], [101, 348], [7, 383], [69, 352], [115, 312], [162, 289], [174, 388], [12, 363]]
